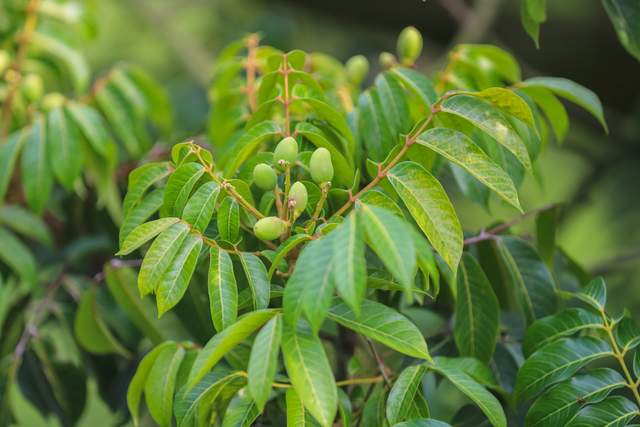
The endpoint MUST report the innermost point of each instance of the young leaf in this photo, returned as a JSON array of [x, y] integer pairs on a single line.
[[390, 238], [430, 207], [383, 324], [489, 405], [556, 362], [64, 148], [256, 274], [310, 372], [490, 120], [160, 385], [459, 149], [562, 324], [228, 220], [223, 341], [477, 312], [36, 173], [223, 290], [264, 361], [199, 209], [564, 400], [174, 281], [403, 393], [349, 265], [145, 232]]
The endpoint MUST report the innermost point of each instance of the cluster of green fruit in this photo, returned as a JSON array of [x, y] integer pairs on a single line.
[[265, 177]]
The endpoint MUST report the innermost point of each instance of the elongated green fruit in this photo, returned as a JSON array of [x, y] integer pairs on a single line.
[[357, 69], [286, 150], [409, 45], [387, 60], [264, 176], [269, 228], [320, 166], [298, 197]]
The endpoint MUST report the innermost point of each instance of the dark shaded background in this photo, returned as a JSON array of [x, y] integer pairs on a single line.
[[597, 175]]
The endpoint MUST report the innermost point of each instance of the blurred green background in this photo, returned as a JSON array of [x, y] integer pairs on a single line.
[[597, 175]]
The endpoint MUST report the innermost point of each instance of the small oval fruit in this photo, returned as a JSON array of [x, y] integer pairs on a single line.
[[52, 100], [357, 69], [409, 45], [387, 60], [264, 176], [5, 60], [32, 87], [286, 150], [298, 194], [320, 166], [269, 228]]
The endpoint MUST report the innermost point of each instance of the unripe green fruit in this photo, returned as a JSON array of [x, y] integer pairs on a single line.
[[32, 87], [286, 150], [387, 60], [320, 166], [52, 100], [357, 69], [409, 45], [269, 228], [5, 60], [298, 195], [264, 176]]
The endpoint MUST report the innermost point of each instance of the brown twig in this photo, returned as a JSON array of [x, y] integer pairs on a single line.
[[381, 366], [15, 70]]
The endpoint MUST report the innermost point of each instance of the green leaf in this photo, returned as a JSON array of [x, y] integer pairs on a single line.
[[159, 257], [264, 361], [136, 386], [199, 209], [627, 333], [424, 422], [225, 340], [402, 394], [594, 294], [349, 264], [26, 223], [228, 220], [381, 200], [416, 83], [556, 362], [332, 116], [477, 312], [430, 207], [179, 186], [241, 412], [563, 401], [256, 274], [318, 281], [223, 290], [145, 232], [459, 149], [295, 409], [550, 328], [9, 152], [573, 92], [479, 371], [625, 16], [383, 324], [70, 59], [120, 119], [613, 411], [546, 223], [283, 249], [394, 104], [174, 282], [247, 144], [190, 401], [373, 127], [92, 126], [489, 405], [36, 173], [310, 372], [90, 329], [141, 213], [530, 278], [390, 238], [508, 101], [553, 109], [64, 148], [503, 63], [140, 180], [17, 256], [491, 121], [160, 385]]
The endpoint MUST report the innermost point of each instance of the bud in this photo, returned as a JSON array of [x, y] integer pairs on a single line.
[[269, 228], [264, 176], [32, 87], [357, 69], [409, 45], [286, 150], [387, 60], [52, 100], [320, 166], [298, 195]]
